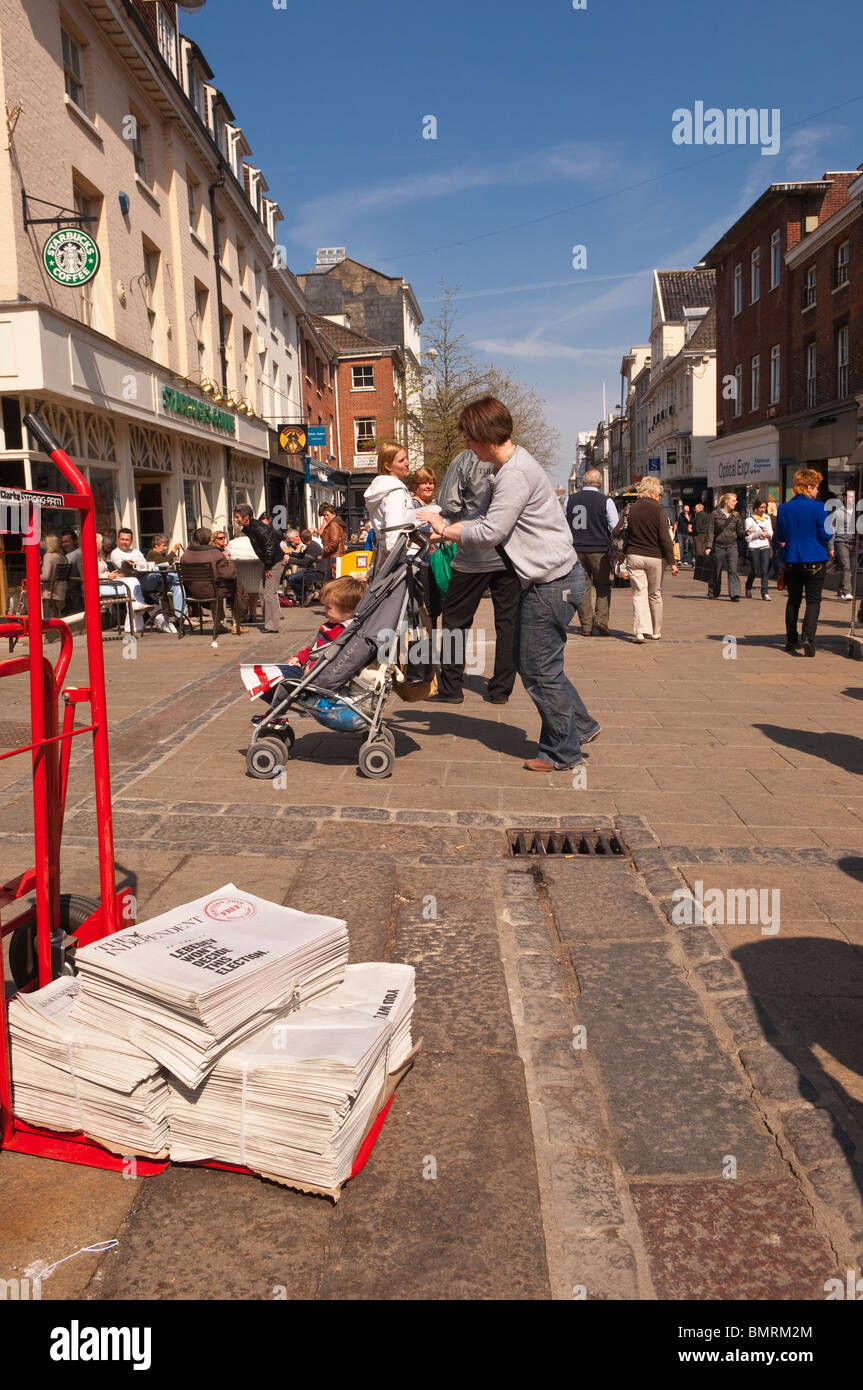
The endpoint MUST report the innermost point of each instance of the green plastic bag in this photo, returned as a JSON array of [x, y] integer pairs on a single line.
[[440, 565]]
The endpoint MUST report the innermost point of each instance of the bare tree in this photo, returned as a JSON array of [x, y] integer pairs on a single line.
[[451, 377]]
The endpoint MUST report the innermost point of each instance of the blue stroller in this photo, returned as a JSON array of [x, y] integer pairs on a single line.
[[348, 687]]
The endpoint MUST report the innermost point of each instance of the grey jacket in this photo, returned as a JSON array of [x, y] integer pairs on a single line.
[[462, 494], [724, 531], [524, 515]]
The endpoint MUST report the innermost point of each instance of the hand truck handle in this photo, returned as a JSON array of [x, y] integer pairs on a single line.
[[41, 433]]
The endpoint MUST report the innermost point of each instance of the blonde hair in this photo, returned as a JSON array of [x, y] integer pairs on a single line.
[[388, 452], [805, 478], [726, 496], [53, 546], [648, 487], [420, 476], [345, 593]]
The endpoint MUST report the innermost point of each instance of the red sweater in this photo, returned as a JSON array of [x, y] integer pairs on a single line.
[[327, 632]]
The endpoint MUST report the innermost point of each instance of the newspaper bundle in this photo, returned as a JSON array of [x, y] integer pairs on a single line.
[[70, 1077], [189, 984], [295, 1099]]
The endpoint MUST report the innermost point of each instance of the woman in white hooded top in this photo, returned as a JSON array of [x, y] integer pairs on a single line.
[[388, 502]]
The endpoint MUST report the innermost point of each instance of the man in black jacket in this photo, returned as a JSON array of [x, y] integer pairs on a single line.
[[265, 542], [592, 518], [724, 530]]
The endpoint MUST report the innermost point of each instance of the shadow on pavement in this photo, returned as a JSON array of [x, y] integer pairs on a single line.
[[808, 992], [843, 750]]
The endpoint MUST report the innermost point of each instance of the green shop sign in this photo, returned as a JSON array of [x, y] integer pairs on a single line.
[[190, 409]]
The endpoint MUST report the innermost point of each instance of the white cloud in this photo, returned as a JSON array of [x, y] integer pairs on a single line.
[[535, 349]]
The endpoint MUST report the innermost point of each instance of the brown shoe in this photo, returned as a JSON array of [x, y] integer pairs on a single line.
[[239, 631], [600, 631], [539, 765]]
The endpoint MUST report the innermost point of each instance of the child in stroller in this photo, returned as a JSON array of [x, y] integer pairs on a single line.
[[348, 673]]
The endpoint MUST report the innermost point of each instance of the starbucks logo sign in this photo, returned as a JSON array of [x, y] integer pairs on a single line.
[[71, 256]]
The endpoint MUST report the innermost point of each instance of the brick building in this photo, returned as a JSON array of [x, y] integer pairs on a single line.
[[785, 307], [162, 373]]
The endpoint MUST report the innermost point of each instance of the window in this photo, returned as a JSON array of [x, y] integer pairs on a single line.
[[755, 383], [843, 256], [167, 36], [364, 436], [241, 270], [842, 349], [73, 69], [227, 336], [196, 89], [199, 319], [88, 304], [194, 208], [363, 377], [811, 359], [775, 258], [738, 288], [151, 271], [775, 370], [247, 354], [138, 148], [809, 287], [755, 276]]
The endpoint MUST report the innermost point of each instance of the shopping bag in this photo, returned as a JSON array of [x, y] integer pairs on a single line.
[[703, 569], [440, 564]]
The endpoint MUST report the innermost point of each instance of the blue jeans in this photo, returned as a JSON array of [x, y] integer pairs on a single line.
[[545, 612], [152, 586]]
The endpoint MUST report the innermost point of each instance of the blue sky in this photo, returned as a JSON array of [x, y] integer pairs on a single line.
[[553, 130]]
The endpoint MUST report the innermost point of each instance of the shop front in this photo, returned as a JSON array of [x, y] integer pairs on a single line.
[[746, 463]]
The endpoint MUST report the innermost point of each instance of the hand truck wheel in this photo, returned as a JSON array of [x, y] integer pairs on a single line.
[[23, 949]]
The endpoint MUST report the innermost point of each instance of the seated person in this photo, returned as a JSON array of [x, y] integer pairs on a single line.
[[113, 584], [129, 561], [158, 554], [340, 598], [314, 568], [200, 550], [74, 588]]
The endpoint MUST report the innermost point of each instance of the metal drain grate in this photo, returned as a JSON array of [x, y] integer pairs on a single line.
[[577, 840]]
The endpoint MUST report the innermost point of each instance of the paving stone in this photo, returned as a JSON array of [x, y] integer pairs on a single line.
[[478, 818], [573, 1117], [774, 854], [525, 915], [520, 885], [308, 812], [125, 825], [673, 1097], [593, 900], [129, 804], [840, 1185], [425, 817], [660, 882], [801, 965], [649, 858], [775, 1075], [719, 975], [709, 854], [747, 1022], [816, 1137], [732, 1240], [544, 1014], [604, 1266], [584, 1193], [363, 813], [534, 939], [677, 854], [541, 973], [698, 943], [740, 856], [556, 1061], [203, 808]]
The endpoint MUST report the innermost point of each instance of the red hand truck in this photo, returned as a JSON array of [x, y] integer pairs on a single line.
[[38, 929]]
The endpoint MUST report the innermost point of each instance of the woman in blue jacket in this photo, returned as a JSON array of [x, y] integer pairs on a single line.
[[805, 545]]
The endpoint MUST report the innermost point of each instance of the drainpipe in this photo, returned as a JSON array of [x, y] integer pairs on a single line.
[[223, 353]]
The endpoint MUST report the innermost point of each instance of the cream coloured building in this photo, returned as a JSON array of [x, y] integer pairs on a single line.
[[163, 374]]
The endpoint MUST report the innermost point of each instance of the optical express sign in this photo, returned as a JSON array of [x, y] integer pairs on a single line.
[[178, 404]]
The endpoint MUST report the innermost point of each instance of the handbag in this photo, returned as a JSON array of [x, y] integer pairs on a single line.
[[703, 569], [440, 564]]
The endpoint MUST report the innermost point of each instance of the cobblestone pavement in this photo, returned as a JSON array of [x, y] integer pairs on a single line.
[[621, 1101]]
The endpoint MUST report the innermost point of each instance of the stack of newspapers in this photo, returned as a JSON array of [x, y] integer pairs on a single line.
[[187, 985], [70, 1077], [294, 1100], [229, 1029]]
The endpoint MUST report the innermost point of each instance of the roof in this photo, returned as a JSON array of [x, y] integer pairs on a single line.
[[704, 337], [774, 194], [340, 338], [684, 289]]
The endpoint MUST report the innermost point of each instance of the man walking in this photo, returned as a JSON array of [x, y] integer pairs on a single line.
[[700, 523], [464, 491], [842, 515], [592, 518], [267, 546], [724, 530]]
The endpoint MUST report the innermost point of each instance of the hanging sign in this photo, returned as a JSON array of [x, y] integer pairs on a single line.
[[71, 256]]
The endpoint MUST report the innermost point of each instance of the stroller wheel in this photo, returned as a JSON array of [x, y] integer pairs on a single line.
[[386, 732], [266, 758], [376, 759]]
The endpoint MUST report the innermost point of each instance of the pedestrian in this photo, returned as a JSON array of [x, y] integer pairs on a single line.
[[683, 535], [724, 531], [265, 540], [700, 523], [592, 517], [388, 502], [806, 544], [759, 534], [521, 518], [465, 491], [647, 545], [201, 550], [421, 486], [331, 533], [844, 521]]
